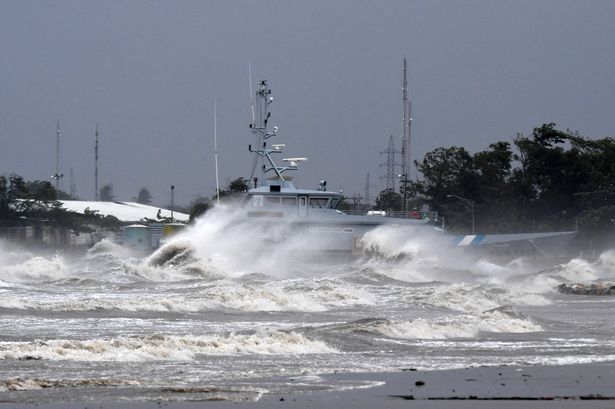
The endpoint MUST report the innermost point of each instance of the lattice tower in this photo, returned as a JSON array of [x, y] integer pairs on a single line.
[[389, 165]]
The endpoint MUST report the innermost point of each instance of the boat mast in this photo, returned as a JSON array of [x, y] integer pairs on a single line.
[[259, 128], [263, 99]]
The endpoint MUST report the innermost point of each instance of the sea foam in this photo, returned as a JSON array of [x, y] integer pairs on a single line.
[[159, 347]]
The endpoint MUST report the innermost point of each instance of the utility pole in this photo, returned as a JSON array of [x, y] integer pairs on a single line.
[[96, 165], [172, 203], [356, 202], [366, 198]]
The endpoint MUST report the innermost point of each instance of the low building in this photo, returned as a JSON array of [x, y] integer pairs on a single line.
[[146, 226]]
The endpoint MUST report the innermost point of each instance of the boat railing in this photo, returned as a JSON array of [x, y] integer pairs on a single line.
[[408, 214]]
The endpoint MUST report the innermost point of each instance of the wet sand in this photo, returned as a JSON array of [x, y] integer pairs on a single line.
[[568, 386]]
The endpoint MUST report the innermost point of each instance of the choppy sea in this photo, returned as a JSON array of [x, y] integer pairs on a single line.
[[211, 316]]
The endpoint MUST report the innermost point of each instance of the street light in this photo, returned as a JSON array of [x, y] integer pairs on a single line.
[[172, 189], [467, 202]]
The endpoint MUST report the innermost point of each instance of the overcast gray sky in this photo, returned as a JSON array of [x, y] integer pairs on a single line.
[[148, 72]]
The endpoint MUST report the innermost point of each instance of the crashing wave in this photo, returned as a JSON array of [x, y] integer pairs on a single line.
[[160, 347]]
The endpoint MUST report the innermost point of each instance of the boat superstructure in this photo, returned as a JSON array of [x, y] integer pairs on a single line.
[[312, 213]]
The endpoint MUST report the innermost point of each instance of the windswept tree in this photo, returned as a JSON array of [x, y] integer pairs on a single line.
[[234, 188], [198, 207], [238, 185]]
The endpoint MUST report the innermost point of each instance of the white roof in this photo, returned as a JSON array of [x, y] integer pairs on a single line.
[[124, 211]]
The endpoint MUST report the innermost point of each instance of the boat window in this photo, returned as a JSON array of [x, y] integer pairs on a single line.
[[272, 199], [257, 200], [334, 203], [320, 202], [289, 201]]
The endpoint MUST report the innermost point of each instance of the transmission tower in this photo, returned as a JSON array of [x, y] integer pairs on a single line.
[[389, 165]]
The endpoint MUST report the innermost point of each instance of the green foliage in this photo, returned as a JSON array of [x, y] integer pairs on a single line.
[[234, 189], [18, 197], [388, 199], [552, 180], [35, 202], [238, 185], [62, 195]]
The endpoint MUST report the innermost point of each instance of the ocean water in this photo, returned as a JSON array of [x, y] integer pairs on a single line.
[[227, 312]]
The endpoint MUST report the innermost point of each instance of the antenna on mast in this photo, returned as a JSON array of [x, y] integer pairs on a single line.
[[405, 147], [260, 130], [57, 176], [407, 119], [216, 149], [96, 165], [251, 96], [253, 125]]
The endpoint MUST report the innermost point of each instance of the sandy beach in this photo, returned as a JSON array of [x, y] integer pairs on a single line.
[[568, 386]]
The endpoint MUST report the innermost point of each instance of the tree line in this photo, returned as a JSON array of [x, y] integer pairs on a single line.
[[25, 202], [36, 202], [553, 180]]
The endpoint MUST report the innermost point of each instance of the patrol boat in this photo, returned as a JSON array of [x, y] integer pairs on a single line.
[[306, 213]]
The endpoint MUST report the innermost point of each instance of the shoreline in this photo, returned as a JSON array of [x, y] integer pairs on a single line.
[[566, 386]]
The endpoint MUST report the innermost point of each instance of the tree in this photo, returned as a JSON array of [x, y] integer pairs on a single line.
[[5, 210], [494, 199], [41, 190], [34, 203], [144, 196], [446, 172], [388, 199], [544, 182], [198, 207], [106, 193], [238, 185], [17, 188], [549, 175], [234, 188]]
